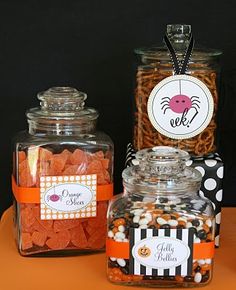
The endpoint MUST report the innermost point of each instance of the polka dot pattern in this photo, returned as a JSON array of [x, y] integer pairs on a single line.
[[220, 172], [210, 163], [219, 195], [189, 162], [210, 184], [212, 171], [201, 170]]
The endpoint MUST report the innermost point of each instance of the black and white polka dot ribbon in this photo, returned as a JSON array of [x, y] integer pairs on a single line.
[[180, 67]]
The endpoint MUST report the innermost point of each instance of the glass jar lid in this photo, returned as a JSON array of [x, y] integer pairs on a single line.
[[62, 103], [179, 36], [162, 169]]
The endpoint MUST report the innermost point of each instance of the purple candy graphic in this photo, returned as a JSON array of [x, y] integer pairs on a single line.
[[54, 197]]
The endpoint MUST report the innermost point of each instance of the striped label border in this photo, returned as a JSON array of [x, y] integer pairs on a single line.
[[184, 235]]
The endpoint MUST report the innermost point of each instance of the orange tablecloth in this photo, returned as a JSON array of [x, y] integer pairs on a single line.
[[89, 272]]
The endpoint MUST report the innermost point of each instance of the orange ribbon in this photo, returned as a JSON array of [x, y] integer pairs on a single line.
[[32, 194], [121, 250]]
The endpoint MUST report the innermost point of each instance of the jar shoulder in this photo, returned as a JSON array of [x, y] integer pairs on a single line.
[[195, 207], [96, 138]]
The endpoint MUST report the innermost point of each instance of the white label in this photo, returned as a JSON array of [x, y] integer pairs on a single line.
[[161, 252], [68, 197], [180, 107]]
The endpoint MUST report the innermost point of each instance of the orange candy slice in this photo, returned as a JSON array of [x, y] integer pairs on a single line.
[[21, 156], [26, 179], [61, 234], [26, 241], [78, 237], [99, 154], [57, 164], [78, 157], [97, 239], [60, 225], [66, 153], [105, 163], [39, 238], [95, 167], [59, 241], [27, 218], [44, 154]]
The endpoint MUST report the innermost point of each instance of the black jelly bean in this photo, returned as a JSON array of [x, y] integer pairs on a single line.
[[112, 264], [124, 270], [202, 234], [205, 278], [173, 217], [198, 269], [163, 199], [159, 206], [134, 225], [111, 226], [136, 197], [195, 223], [165, 226]]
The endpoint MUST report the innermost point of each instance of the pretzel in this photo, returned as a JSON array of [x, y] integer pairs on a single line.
[[145, 135]]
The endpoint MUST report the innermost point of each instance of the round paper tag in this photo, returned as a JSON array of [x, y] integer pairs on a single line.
[[180, 107]]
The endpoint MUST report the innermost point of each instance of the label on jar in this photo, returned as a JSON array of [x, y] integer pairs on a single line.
[[180, 107], [68, 197], [163, 252]]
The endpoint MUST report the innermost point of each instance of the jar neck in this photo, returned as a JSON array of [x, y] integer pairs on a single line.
[[143, 191], [61, 127]]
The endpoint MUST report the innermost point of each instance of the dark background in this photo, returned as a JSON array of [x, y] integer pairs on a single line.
[[89, 45]]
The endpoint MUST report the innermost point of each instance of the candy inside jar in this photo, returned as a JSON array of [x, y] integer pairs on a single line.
[[62, 177], [160, 231], [182, 101]]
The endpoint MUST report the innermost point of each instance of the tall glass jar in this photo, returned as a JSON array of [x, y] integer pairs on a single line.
[[160, 231], [62, 177], [154, 65]]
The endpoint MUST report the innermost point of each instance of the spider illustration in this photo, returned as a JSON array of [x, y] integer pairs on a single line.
[[180, 103]]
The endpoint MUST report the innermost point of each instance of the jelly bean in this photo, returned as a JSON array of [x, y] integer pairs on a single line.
[[138, 218]]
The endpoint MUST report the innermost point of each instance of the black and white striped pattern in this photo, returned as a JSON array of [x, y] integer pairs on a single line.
[[185, 235]]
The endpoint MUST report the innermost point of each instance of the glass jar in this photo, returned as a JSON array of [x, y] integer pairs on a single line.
[[160, 231], [62, 177], [154, 65]]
